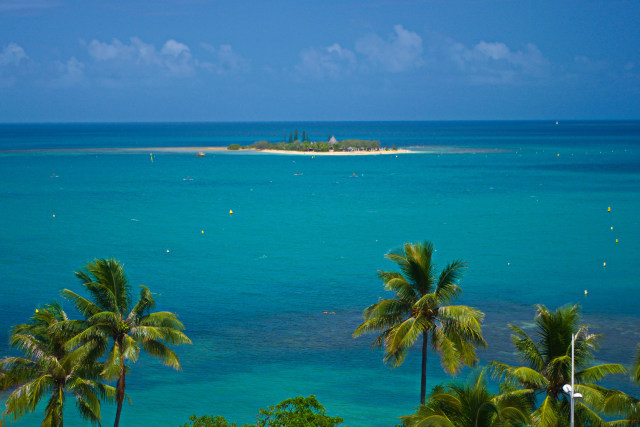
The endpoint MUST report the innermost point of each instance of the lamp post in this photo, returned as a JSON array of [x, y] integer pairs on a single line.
[[569, 388]]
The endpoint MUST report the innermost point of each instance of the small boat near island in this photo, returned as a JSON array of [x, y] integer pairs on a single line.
[[200, 154], [298, 173]]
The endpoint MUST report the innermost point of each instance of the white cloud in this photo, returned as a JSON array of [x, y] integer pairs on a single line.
[[12, 54], [70, 73], [333, 61], [402, 51], [173, 59], [13, 64], [225, 60], [486, 62]]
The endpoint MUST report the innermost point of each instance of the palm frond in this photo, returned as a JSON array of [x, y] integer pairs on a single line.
[[130, 348], [596, 373], [404, 335], [162, 319], [167, 356], [524, 376], [449, 355], [588, 416], [114, 363], [547, 414], [166, 334], [463, 321], [84, 306], [526, 348], [635, 370], [144, 304], [447, 289]]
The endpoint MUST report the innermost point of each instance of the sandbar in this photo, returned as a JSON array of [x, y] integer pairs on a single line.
[[433, 149]]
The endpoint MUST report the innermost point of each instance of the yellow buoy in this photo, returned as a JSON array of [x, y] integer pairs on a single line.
[[558, 154], [36, 310], [585, 292], [202, 231], [616, 240], [604, 264], [609, 209], [54, 215], [230, 212], [612, 227]]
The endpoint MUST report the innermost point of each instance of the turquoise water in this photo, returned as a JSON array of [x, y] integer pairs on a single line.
[[253, 289]]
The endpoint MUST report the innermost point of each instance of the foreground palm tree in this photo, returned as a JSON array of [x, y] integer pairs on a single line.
[[50, 368], [471, 405], [421, 308], [548, 369], [110, 314]]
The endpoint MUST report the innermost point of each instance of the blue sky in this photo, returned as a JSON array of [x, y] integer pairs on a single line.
[[193, 60]]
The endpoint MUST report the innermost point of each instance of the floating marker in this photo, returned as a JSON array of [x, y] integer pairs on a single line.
[[167, 250], [202, 231], [54, 215], [616, 240], [230, 212], [36, 310], [612, 227], [609, 209], [586, 292], [151, 154], [558, 154], [604, 264]]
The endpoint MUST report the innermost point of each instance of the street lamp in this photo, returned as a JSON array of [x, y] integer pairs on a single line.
[[569, 388]]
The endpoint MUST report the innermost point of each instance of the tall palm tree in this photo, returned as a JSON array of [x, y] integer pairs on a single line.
[[421, 307], [50, 368], [111, 315], [548, 369], [471, 405]]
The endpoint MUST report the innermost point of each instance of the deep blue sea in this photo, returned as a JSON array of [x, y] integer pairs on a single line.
[[271, 295]]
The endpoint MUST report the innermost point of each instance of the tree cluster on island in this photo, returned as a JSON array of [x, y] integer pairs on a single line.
[[62, 356], [305, 144]]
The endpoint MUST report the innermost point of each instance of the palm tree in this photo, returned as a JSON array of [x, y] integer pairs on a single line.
[[420, 308], [471, 405], [50, 368], [110, 314], [548, 369]]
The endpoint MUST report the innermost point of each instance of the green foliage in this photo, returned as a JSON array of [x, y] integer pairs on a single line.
[[292, 143], [209, 421], [471, 404], [357, 144], [50, 368], [112, 317], [635, 369], [233, 147], [420, 308], [297, 412], [547, 369]]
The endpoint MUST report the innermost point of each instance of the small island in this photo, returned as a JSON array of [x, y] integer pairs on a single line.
[[305, 145]]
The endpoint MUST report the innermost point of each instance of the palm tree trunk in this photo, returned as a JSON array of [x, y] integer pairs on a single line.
[[423, 380], [119, 395]]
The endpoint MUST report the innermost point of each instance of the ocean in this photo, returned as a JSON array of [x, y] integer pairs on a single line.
[[271, 295]]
